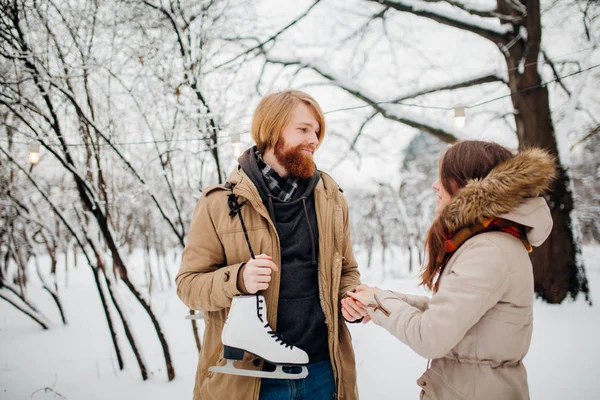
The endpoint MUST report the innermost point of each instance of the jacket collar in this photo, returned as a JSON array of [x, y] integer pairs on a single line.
[[325, 186]]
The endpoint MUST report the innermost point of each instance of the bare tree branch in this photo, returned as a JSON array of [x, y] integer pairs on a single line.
[[271, 38], [193, 82], [443, 134], [555, 72], [49, 390], [352, 147], [483, 11], [479, 27], [89, 122], [24, 311], [586, 137], [361, 30], [361, 129], [472, 81]]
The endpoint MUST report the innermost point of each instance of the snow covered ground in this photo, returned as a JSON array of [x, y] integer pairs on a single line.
[[77, 361]]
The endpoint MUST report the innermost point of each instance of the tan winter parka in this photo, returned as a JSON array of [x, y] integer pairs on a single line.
[[477, 327], [208, 279]]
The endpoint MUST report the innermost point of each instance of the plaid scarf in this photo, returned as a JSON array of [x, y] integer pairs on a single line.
[[452, 243], [281, 188]]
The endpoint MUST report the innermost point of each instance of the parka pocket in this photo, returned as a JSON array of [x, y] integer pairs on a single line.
[[435, 387]]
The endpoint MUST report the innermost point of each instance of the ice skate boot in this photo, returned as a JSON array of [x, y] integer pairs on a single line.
[[247, 329]]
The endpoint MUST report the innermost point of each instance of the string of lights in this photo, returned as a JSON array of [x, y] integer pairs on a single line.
[[459, 121], [465, 106], [206, 139], [556, 58]]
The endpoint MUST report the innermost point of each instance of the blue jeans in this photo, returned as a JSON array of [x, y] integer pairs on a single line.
[[318, 385]]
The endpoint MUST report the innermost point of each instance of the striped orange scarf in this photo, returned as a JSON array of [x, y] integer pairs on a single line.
[[452, 243]]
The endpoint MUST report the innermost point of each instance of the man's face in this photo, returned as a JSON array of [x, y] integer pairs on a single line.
[[297, 143]]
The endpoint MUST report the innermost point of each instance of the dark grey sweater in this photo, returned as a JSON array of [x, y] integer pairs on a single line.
[[300, 318]]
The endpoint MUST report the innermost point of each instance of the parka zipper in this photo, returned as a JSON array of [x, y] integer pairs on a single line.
[[261, 209], [330, 324]]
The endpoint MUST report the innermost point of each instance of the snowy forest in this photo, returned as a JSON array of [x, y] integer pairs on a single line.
[[115, 114]]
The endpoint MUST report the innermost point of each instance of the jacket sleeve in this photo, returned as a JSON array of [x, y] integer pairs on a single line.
[[420, 302], [203, 282], [350, 275], [478, 280]]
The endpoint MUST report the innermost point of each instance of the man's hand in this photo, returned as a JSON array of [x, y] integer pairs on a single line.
[[257, 273], [353, 310]]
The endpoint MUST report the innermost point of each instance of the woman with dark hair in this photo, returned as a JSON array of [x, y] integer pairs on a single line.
[[477, 326]]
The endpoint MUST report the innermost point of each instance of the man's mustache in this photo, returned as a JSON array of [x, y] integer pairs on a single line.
[[304, 147]]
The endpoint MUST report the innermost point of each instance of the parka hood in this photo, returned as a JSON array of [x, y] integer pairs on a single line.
[[511, 191]]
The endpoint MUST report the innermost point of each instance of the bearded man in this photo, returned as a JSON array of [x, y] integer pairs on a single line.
[[279, 228]]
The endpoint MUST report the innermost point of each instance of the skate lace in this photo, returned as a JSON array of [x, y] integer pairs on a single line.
[[278, 338]]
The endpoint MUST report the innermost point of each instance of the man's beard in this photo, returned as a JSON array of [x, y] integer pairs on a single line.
[[295, 161]]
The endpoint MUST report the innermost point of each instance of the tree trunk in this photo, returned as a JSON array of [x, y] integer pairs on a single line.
[[195, 331], [91, 205], [29, 313], [128, 333], [557, 266], [52, 291], [111, 328]]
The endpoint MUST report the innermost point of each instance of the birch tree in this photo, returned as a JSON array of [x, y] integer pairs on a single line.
[[130, 129]]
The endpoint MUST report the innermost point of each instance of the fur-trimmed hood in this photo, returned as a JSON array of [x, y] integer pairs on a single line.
[[511, 191]]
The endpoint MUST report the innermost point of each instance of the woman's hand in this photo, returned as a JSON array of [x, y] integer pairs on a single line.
[[364, 294]]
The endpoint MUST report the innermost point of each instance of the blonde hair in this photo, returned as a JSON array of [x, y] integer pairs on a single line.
[[275, 110]]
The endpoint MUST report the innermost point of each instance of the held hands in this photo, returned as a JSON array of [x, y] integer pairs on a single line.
[[362, 297], [353, 310], [257, 273], [355, 305]]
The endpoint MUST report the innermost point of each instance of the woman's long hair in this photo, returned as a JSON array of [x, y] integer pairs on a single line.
[[464, 161]]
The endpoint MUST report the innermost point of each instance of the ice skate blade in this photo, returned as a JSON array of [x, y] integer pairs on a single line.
[[230, 369]]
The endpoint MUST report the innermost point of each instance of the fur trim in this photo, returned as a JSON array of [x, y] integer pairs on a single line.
[[527, 174]]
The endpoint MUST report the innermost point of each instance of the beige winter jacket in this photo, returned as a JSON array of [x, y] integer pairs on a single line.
[[208, 279], [477, 327]]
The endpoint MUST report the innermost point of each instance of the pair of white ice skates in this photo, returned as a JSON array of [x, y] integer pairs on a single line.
[[247, 330]]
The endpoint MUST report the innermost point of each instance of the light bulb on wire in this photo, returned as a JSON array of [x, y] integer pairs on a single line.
[[236, 143], [34, 153], [237, 151], [459, 116]]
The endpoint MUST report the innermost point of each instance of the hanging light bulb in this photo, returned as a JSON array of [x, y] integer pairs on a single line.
[[34, 153], [237, 151], [459, 116], [236, 143]]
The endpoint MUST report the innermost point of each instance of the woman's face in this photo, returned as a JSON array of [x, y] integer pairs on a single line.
[[444, 198]]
